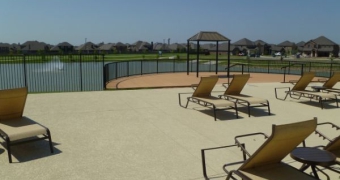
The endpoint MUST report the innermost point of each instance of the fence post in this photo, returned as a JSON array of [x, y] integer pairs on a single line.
[[104, 72], [25, 71], [268, 65], [81, 74], [330, 71], [141, 67], [157, 65], [128, 68]]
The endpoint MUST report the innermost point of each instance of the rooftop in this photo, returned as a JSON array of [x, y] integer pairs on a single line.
[[145, 134]]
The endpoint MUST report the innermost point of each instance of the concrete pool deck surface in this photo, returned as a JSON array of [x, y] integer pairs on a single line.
[[145, 134]]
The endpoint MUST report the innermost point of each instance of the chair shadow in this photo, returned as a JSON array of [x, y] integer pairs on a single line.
[[255, 111], [221, 115], [31, 151], [326, 105]]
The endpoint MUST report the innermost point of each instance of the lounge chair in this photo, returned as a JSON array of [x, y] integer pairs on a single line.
[[299, 91], [14, 127], [333, 145], [233, 92], [266, 162], [202, 96], [330, 83]]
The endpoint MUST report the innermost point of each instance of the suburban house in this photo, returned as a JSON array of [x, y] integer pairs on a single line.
[[321, 47], [289, 47], [107, 48], [300, 46], [140, 46], [63, 47], [33, 47], [87, 48], [4, 48], [263, 48], [176, 47], [245, 45], [161, 47]]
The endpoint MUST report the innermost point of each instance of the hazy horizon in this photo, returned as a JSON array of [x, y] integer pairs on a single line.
[[128, 21]]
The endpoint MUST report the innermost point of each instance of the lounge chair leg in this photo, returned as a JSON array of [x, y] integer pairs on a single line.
[[268, 108], [9, 150], [50, 140], [248, 110], [214, 108], [236, 111]]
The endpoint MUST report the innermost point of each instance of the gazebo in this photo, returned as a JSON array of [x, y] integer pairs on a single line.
[[207, 36]]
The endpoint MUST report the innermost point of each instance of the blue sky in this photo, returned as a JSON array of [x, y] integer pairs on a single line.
[[273, 21]]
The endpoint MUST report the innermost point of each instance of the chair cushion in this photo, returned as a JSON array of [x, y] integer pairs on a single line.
[[216, 101], [21, 128], [249, 99]]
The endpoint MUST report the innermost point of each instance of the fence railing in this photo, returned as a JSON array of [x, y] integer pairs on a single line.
[[52, 73], [78, 72], [115, 70]]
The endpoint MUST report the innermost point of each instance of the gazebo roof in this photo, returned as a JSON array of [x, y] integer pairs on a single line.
[[208, 36]]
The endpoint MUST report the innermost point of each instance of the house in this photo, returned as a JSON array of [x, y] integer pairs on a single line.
[[63, 47], [34, 47], [140, 46], [263, 48], [107, 48], [161, 47], [289, 47], [321, 47], [300, 46], [274, 49], [176, 47], [245, 46], [87, 48], [5, 48]]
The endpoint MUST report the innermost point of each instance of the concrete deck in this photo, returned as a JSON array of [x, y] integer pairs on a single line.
[[145, 134]]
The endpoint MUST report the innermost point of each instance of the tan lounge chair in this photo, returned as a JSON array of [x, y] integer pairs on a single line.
[[334, 144], [266, 162], [299, 91], [233, 92], [202, 96], [14, 127], [330, 83]]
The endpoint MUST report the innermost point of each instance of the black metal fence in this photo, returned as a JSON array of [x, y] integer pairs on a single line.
[[115, 70], [52, 73], [78, 72]]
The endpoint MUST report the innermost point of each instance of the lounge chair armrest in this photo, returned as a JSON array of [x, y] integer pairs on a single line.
[[242, 145], [323, 135], [329, 123], [287, 92], [251, 134], [179, 99], [194, 86], [203, 157], [225, 85]]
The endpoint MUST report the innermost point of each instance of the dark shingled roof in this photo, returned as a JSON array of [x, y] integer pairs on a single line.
[[260, 42], [208, 36], [244, 42], [106, 47], [286, 44], [322, 40], [300, 44]]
